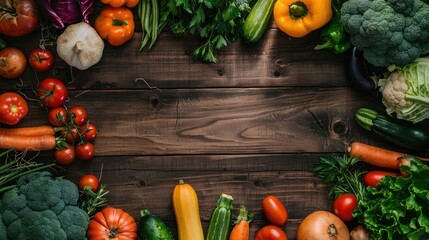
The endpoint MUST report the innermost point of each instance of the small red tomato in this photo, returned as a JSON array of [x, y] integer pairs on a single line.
[[52, 92], [85, 151], [71, 135], [372, 178], [89, 132], [344, 205], [12, 61], [57, 116], [41, 60], [90, 181], [65, 155], [13, 108], [270, 232], [274, 211], [78, 115]]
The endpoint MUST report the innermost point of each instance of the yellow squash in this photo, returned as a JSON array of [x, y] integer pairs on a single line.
[[187, 212]]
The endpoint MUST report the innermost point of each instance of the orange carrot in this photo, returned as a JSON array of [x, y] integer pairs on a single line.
[[241, 227], [28, 131], [375, 156], [28, 143]]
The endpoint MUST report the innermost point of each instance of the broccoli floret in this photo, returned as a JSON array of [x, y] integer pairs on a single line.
[[43, 207], [387, 31]]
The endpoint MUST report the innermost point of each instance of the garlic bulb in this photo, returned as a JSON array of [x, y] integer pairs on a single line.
[[80, 46]]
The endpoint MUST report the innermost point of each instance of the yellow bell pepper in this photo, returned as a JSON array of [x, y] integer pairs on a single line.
[[298, 18]]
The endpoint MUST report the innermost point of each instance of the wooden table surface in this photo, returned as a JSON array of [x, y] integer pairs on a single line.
[[250, 125]]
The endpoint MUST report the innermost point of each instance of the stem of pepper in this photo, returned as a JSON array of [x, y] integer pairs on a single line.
[[298, 10]]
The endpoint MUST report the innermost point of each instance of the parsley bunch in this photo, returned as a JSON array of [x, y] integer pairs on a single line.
[[216, 22]]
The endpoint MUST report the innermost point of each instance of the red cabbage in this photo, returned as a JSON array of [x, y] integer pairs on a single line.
[[65, 12]]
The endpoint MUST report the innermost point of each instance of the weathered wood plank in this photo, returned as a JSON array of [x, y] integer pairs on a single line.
[[219, 121], [276, 60]]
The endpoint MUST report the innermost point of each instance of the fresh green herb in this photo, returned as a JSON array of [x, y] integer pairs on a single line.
[[216, 22], [12, 169], [397, 208], [91, 201], [340, 175]]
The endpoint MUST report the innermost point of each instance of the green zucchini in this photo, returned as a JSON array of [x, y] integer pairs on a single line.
[[220, 220], [399, 132], [256, 22], [151, 227]]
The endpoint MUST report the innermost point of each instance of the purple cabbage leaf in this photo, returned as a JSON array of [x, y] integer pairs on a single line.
[[65, 12]]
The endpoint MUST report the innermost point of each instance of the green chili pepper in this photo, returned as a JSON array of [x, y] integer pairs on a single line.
[[334, 37]]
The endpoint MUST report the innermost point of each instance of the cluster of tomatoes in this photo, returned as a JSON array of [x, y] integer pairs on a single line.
[[72, 123], [277, 216]]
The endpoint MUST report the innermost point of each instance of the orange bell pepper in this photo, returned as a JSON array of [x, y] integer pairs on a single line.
[[298, 18], [115, 24], [120, 3]]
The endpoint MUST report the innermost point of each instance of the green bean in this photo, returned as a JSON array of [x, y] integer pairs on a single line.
[[155, 16], [141, 11]]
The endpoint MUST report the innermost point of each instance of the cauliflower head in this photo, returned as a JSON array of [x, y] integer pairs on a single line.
[[388, 31], [406, 91], [43, 207]]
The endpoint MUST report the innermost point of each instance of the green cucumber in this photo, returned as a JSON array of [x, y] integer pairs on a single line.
[[256, 22], [399, 132], [220, 220], [151, 227]]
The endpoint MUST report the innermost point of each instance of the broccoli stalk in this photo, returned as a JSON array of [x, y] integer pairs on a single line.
[[406, 91]]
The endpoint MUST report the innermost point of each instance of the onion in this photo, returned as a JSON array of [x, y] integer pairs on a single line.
[[359, 233], [322, 225]]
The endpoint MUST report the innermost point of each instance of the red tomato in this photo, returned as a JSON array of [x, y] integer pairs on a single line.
[[344, 205], [89, 132], [18, 17], [52, 92], [57, 116], [89, 180], [71, 134], [65, 155], [274, 211], [112, 223], [372, 178], [13, 108], [41, 60], [12, 62], [270, 232], [85, 151], [78, 115]]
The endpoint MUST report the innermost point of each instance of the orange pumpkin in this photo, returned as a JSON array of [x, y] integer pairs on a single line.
[[113, 224]]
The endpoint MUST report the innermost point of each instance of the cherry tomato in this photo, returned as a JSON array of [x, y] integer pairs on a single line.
[[89, 180], [52, 92], [41, 60], [13, 108], [372, 178], [270, 232], [65, 155], [344, 205], [89, 132], [57, 116], [71, 134], [12, 62], [18, 17], [274, 211], [78, 115], [85, 151]]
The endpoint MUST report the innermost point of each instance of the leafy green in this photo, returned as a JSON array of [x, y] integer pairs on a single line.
[[216, 22], [398, 207], [340, 174]]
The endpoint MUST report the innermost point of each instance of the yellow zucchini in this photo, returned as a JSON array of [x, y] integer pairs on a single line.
[[187, 212]]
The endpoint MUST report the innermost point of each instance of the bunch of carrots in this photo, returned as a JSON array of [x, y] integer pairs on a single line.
[[37, 138]]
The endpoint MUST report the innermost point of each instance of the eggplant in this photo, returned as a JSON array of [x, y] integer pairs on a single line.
[[359, 72]]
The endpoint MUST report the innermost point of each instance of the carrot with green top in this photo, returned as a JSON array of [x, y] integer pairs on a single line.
[[241, 229]]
